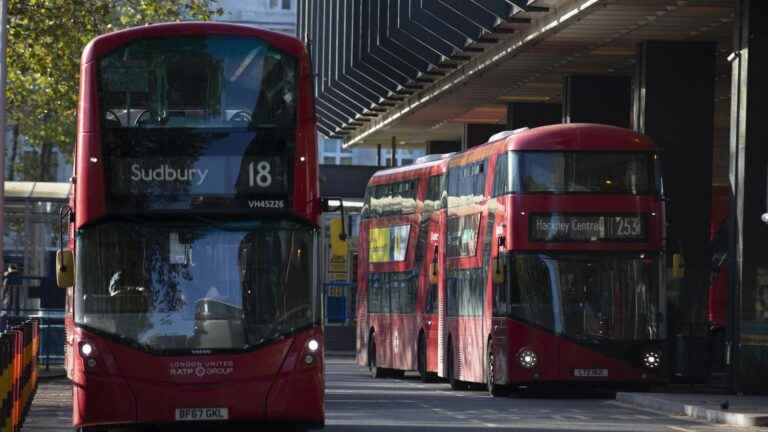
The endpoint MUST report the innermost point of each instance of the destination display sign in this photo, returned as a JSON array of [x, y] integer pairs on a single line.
[[205, 181], [563, 227]]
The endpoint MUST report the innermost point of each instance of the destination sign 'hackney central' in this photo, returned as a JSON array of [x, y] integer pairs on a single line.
[[207, 181]]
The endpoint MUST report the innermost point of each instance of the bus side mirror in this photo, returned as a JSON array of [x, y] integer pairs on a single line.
[[65, 268]]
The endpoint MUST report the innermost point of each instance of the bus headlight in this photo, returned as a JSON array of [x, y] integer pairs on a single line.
[[86, 349], [652, 359], [313, 345], [527, 358]]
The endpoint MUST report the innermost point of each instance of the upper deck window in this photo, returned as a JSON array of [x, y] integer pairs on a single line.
[[198, 82], [505, 176], [587, 172], [435, 199], [466, 183], [390, 199]]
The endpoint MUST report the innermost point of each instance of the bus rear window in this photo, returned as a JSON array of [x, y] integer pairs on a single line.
[[587, 172]]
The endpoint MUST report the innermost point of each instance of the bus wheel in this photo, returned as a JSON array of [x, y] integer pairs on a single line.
[[455, 383], [494, 389], [422, 361], [376, 372]]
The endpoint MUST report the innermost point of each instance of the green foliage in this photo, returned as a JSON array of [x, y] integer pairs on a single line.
[[45, 41]]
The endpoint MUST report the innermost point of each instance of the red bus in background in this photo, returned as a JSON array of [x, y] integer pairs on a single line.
[[550, 263], [555, 260], [194, 231], [400, 278]]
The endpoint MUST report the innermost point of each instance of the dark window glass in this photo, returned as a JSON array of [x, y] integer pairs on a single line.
[[287, 4], [462, 232], [436, 193], [392, 292], [533, 291], [198, 82], [430, 304], [466, 184], [183, 287], [198, 123], [587, 296], [588, 172], [393, 199], [505, 174], [465, 292]]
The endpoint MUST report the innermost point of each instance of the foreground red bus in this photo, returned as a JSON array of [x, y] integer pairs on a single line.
[[553, 261], [401, 228], [194, 231]]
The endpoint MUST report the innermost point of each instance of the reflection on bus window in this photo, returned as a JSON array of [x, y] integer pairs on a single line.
[[195, 82], [183, 287], [586, 296], [588, 172]]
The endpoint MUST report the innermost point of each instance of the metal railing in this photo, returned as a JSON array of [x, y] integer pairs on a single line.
[[51, 327]]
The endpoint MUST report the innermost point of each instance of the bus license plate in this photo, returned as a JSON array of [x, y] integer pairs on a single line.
[[602, 373], [195, 414]]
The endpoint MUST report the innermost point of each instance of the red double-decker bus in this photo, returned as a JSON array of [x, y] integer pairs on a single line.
[[551, 259], [398, 287], [555, 258], [194, 229]]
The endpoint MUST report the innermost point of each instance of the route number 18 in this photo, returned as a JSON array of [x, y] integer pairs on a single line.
[[259, 174]]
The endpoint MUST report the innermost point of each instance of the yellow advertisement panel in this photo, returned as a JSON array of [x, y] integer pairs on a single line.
[[388, 244], [378, 245]]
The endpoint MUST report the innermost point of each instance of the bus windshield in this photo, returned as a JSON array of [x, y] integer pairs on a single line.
[[198, 82], [586, 297], [202, 286], [587, 172]]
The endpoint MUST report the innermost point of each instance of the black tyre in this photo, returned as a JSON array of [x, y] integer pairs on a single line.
[[421, 359], [376, 372], [495, 390], [455, 383]]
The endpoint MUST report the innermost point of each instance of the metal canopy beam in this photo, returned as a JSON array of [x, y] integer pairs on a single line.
[[370, 53]]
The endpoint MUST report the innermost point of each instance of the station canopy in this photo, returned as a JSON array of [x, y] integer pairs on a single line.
[[418, 70]]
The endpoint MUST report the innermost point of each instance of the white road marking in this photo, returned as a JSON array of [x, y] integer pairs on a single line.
[[677, 428]]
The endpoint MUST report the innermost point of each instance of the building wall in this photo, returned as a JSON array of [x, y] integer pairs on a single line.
[[332, 153], [275, 15]]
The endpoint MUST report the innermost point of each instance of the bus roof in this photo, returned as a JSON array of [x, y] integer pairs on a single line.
[[410, 171], [103, 44], [562, 137]]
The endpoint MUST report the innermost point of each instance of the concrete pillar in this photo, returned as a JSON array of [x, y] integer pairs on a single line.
[[748, 173], [440, 147], [597, 99], [393, 156], [533, 114], [477, 133], [674, 105]]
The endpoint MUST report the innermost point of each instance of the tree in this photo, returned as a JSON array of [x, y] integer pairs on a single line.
[[45, 41]]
